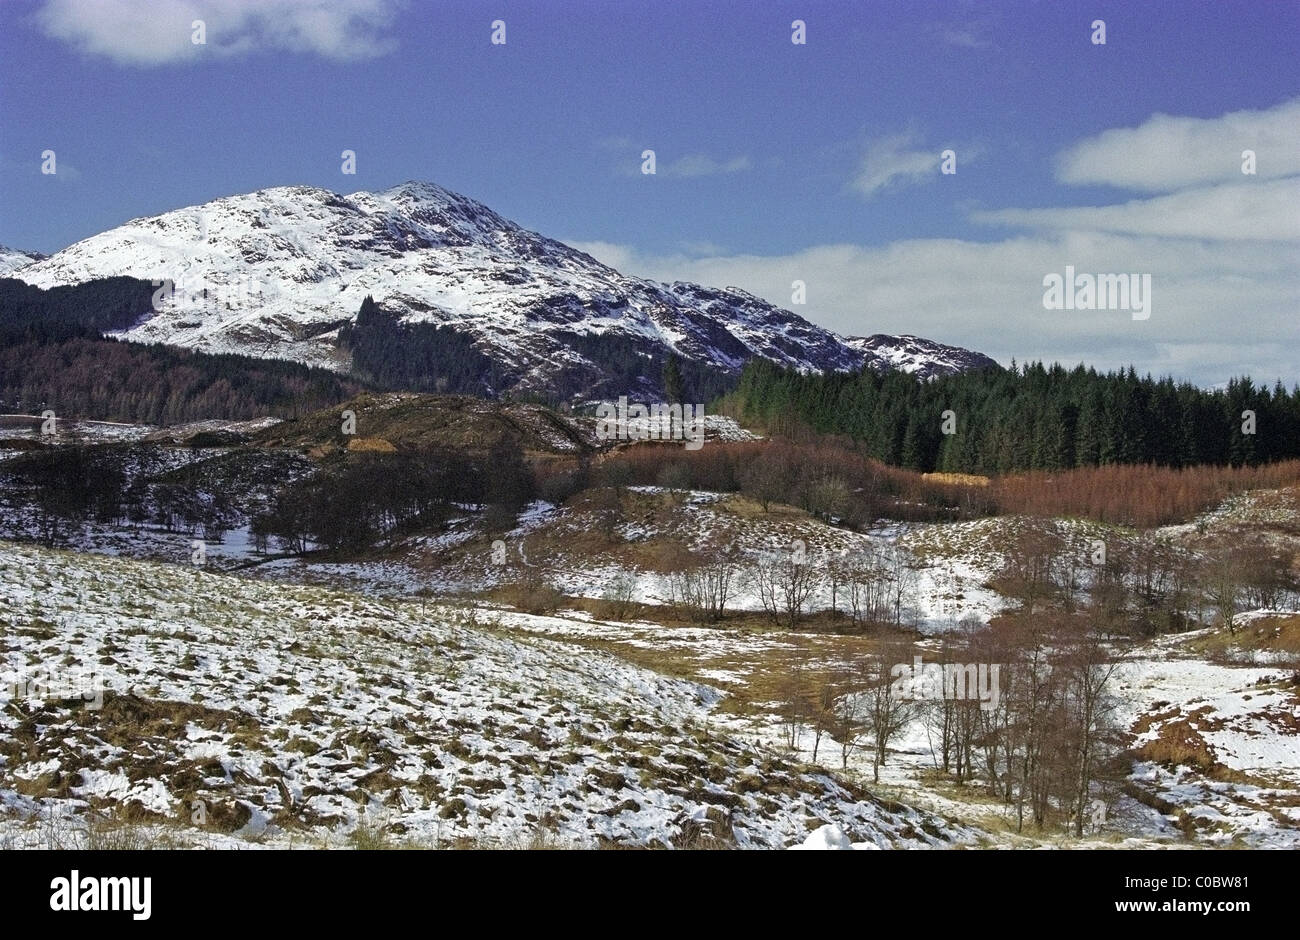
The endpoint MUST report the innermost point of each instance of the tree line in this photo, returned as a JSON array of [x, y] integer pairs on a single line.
[[417, 357], [1034, 417], [53, 355], [52, 314], [66, 488], [349, 505], [833, 479]]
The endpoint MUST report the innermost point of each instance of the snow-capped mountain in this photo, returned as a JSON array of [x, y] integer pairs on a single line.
[[923, 357], [276, 273], [11, 259]]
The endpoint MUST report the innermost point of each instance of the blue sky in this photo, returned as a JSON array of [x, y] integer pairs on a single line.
[[775, 160]]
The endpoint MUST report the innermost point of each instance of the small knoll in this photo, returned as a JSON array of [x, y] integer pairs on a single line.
[[414, 422]]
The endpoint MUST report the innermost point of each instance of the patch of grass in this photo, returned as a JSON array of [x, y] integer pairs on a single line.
[[109, 834], [1280, 634]]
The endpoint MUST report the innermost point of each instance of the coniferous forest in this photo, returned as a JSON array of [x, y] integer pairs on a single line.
[[1032, 417], [417, 357], [54, 354]]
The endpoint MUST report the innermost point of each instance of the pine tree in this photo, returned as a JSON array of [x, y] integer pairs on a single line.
[[674, 387]]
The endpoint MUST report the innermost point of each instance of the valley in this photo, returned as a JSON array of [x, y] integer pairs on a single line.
[[607, 652]]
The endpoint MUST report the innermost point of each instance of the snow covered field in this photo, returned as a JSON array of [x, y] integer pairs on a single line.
[[1249, 717], [236, 712]]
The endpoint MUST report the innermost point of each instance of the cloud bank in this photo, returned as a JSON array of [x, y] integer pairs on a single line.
[[160, 32]]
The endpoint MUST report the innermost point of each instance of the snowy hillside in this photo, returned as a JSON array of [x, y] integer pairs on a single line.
[[275, 273], [222, 710]]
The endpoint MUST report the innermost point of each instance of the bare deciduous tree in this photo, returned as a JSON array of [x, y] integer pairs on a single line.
[[1031, 568], [887, 706], [785, 583], [703, 582], [1223, 578]]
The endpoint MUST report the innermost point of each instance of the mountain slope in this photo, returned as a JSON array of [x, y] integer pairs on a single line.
[[277, 272], [11, 259], [289, 712], [923, 357]]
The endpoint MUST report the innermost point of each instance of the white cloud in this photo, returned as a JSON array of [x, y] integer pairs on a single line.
[[65, 172], [1167, 153], [620, 257], [892, 161], [1264, 211], [971, 28], [158, 32], [701, 248], [964, 38], [687, 166], [1217, 309]]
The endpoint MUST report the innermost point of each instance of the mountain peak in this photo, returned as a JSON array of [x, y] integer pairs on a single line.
[[289, 266], [422, 189]]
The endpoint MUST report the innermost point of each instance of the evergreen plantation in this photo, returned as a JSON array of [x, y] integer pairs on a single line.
[[54, 354], [1034, 417], [416, 357]]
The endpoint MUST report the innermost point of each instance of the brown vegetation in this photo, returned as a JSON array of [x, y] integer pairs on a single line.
[[830, 477], [1139, 496]]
